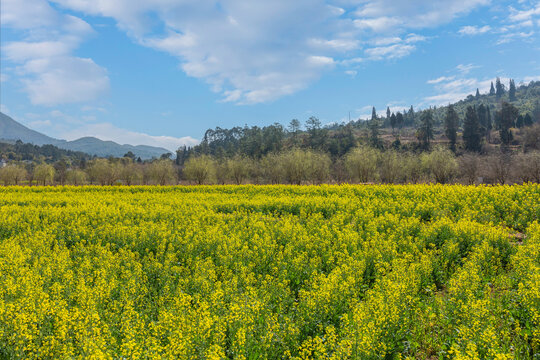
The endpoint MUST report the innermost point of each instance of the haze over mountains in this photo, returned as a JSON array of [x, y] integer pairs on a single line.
[[11, 130]]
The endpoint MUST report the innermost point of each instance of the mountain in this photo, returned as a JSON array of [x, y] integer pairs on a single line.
[[12, 130], [95, 146]]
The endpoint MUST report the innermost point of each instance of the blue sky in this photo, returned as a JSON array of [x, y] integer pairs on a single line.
[[161, 72]]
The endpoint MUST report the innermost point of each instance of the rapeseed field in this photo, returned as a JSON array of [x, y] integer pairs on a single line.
[[270, 272]]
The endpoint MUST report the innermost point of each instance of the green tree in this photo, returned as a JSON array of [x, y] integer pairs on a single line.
[[238, 168], [361, 163], [477, 93], [390, 166], [471, 130], [499, 88], [507, 116], [393, 121], [425, 131], [441, 163], [399, 119], [43, 174], [12, 174], [76, 177], [451, 122], [492, 89], [199, 169], [294, 129], [512, 91]]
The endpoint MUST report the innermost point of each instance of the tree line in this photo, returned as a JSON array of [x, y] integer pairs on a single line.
[[362, 164]]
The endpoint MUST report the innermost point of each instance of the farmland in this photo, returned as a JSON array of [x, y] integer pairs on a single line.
[[270, 272]]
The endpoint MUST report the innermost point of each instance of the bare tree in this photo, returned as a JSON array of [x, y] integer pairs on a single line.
[[162, 172], [528, 167], [199, 169], [43, 174], [12, 174], [498, 166], [76, 177], [441, 163], [469, 165], [361, 163], [390, 166], [238, 168]]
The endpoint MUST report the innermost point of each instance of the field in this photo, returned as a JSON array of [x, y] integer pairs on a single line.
[[270, 272]]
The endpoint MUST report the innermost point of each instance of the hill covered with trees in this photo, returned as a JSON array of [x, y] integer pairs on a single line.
[[503, 116], [489, 138]]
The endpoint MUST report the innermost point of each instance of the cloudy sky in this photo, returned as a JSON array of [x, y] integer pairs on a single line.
[[161, 72]]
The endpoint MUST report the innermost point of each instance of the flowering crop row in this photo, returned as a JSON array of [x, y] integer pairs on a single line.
[[270, 272]]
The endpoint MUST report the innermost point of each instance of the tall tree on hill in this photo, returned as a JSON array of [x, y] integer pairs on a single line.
[[471, 130], [317, 135], [388, 113], [492, 89], [499, 88], [482, 113], [506, 119], [489, 124], [373, 114], [477, 93], [399, 119], [425, 131], [451, 122], [374, 137], [393, 121], [410, 116], [294, 128], [512, 91]]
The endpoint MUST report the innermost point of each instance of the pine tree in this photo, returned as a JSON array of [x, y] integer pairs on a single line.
[[527, 120], [410, 116], [393, 121], [388, 113], [481, 112], [489, 124], [520, 121], [451, 122], [512, 91], [374, 138], [425, 132], [477, 93], [492, 89], [499, 88], [399, 119], [471, 130], [373, 114], [506, 118]]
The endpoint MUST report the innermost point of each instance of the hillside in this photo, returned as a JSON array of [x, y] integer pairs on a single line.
[[338, 138], [11, 130]]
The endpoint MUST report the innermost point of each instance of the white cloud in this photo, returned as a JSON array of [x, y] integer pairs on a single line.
[[395, 51], [454, 88], [107, 131], [466, 68], [474, 30], [506, 38], [43, 55], [351, 73], [387, 15], [58, 80], [440, 79], [258, 53], [524, 15]]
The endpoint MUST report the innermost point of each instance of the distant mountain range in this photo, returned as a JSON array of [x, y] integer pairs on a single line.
[[12, 130]]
